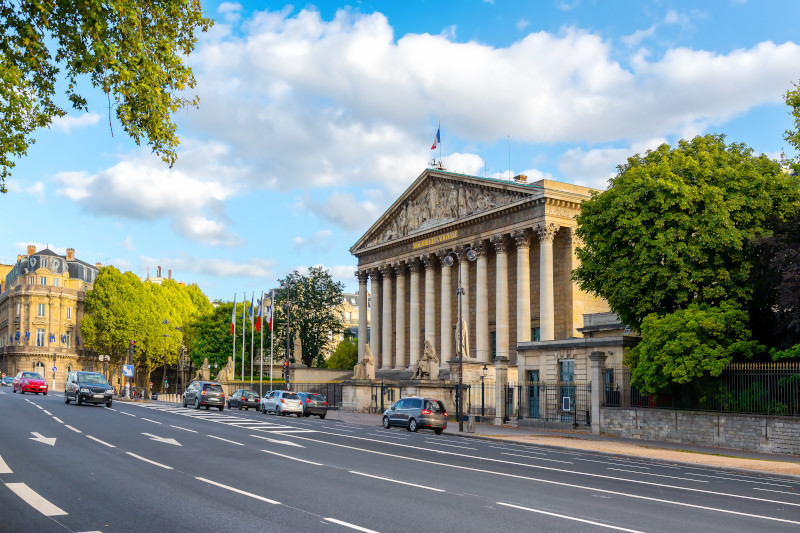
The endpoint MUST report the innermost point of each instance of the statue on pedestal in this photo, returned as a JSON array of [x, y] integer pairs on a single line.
[[365, 369], [297, 349], [462, 338], [227, 372], [427, 366]]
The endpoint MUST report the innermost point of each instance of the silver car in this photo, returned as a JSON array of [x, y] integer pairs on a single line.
[[281, 402], [415, 413]]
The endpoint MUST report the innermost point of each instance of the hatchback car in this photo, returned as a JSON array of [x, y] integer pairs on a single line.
[[313, 404], [204, 393], [414, 413], [8, 381], [246, 398], [29, 382], [282, 402], [87, 387]]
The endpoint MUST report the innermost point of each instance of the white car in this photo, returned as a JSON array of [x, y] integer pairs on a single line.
[[281, 402]]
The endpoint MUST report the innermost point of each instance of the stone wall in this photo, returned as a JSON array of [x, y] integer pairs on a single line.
[[765, 434]]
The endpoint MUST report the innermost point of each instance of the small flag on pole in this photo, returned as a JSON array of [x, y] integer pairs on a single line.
[[269, 313], [260, 307], [436, 140], [251, 308], [233, 315]]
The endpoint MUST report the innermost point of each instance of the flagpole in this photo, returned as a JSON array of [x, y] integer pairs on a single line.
[[234, 335], [252, 337], [439, 130], [271, 335], [261, 330], [244, 328]]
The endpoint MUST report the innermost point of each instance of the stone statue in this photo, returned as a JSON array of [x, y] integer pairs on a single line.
[[462, 338], [365, 369], [227, 372], [297, 349], [426, 366], [206, 370]]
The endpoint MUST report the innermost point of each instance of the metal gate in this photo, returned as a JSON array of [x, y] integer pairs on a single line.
[[552, 404]]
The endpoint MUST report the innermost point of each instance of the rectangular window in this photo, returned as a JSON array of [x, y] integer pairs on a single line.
[[535, 336], [67, 338], [40, 336], [494, 345], [42, 280], [55, 282], [18, 308], [44, 262], [31, 280], [69, 313], [41, 309]]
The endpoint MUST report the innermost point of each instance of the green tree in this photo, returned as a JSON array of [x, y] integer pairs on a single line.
[[792, 98], [345, 356], [676, 227], [689, 345], [132, 50], [315, 313]]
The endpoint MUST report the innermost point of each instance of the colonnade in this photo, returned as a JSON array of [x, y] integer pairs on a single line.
[[390, 337]]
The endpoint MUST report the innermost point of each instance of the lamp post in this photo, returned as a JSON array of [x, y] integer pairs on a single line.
[[483, 376], [164, 383], [104, 359], [177, 359], [287, 284], [449, 260]]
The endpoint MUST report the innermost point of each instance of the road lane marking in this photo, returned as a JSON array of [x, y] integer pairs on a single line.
[[659, 475], [234, 489], [153, 421], [778, 491], [165, 440], [38, 437], [292, 458], [742, 480], [149, 461], [47, 412], [351, 526], [386, 436], [72, 428], [601, 524], [4, 469], [538, 458], [32, 498], [450, 445], [397, 481], [58, 420], [286, 442], [183, 429], [226, 440], [127, 414], [104, 443]]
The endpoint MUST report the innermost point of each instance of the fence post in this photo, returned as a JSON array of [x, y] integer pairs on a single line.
[[598, 363], [501, 378]]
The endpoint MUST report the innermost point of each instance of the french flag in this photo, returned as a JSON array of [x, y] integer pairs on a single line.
[[260, 307], [436, 140], [233, 315], [269, 313]]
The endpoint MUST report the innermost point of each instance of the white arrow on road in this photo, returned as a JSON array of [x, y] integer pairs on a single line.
[[162, 439], [41, 438]]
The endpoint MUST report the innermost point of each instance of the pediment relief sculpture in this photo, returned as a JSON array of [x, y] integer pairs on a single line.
[[439, 203]]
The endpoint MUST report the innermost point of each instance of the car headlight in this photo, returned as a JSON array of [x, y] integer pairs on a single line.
[[85, 390], [110, 391]]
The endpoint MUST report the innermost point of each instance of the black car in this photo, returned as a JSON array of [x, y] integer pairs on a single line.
[[204, 393], [313, 404], [246, 398], [88, 387]]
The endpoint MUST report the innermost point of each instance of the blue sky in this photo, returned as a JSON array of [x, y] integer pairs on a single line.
[[313, 118]]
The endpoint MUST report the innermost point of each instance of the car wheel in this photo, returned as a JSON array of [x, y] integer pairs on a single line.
[[197, 403], [322, 417], [306, 415], [66, 398], [386, 422], [108, 403], [299, 415], [438, 431], [221, 407], [412, 425], [240, 407], [22, 391], [207, 407], [44, 394], [78, 400], [184, 402], [14, 390]]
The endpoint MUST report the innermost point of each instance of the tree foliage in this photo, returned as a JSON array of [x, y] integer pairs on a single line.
[[792, 98], [676, 227], [315, 306], [689, 345], [345, 356], [132, 50]]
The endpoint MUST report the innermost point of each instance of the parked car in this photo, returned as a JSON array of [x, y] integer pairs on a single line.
[[8, 381], [88, 387], [204, 393], [414, 413], [246, 398], [313, 404], [29, 382], [281, 402]]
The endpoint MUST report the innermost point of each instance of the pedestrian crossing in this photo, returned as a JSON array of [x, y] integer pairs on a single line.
[[229, 420]]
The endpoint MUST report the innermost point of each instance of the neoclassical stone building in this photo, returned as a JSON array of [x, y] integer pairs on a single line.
[[41, 308], [518, 290]]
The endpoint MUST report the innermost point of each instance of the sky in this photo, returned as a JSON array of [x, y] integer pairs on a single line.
[[314, 118]]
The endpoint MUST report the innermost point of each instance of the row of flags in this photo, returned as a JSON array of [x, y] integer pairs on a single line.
[[15, 338], [257, 323]]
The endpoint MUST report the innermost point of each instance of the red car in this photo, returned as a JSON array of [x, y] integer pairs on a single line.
[[29, 382]]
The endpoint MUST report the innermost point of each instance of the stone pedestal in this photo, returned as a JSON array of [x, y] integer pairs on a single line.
[[501, 379], [598, 363]]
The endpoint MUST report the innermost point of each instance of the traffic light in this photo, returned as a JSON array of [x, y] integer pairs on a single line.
[[285, 370]]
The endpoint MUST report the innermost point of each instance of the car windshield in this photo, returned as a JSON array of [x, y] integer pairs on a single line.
[[214, 387], [93, 379], [434, 406], [249, 394], [291, 396], [31, 375]]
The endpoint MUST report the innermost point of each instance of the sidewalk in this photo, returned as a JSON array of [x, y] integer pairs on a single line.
[[657, 450]]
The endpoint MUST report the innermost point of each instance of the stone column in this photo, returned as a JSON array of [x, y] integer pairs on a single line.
[[414, 343], [447, 313], [482, 348], [547, 308], [522, 237], [430, 299], [597, 361], [464, 266], [362, 312], [400, 360], [501, 296], [386, 341], [376, 318], [500, 381]]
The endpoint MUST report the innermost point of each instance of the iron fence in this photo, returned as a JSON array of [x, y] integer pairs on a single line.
[[548, 403], [755, 388]]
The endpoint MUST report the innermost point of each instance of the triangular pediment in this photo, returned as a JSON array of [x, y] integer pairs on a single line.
[[438, 198]]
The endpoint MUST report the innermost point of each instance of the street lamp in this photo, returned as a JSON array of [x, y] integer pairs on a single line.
[[483, 376], [287, 284], [449, 260], [164, 384], [104, 359], [177, 360]]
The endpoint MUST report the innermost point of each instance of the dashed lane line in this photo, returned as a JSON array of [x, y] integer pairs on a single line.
[[397, 481], [104, 443], [566, 517], [153, 421], [146, 460], [35, 500], [239, 491], [537, 458], [226, 440], [292, 458], [351, 526], [72, 428], [58, 420], [183, 429]]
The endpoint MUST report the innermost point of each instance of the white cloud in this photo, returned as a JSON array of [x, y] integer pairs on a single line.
[[522, 24], [36, 189], [319, 242], [140, 187], [66, 123], [60, 250], [127, 243], [344, 210], [639, 35], [182, 263], [593, 168], [343, 273]]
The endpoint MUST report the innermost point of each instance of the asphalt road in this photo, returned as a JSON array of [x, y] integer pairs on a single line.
[[158, 467]]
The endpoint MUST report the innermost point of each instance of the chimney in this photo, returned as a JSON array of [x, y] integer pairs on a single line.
[[169, 276], [70, 254], [522, 178], [159, 271], [19, 258], [98, 265], [31, 249]]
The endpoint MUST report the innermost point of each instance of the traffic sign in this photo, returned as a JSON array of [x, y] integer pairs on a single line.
[[151, 384], [55, 368], [127, 371]]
